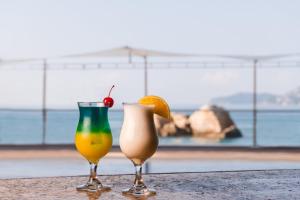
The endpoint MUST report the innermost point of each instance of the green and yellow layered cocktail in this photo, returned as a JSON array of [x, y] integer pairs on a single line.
[[93, 139]]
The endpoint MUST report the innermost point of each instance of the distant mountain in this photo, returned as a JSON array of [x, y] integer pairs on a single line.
[[245, 98], [291, 98]]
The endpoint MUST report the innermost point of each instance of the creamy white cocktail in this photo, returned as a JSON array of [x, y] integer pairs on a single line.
[[138, 138]]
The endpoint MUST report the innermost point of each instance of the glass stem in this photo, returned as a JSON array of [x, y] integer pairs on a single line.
[[138, 176], [93, 170], [93, 173]]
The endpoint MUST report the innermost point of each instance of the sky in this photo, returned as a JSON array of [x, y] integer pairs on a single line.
[[47, 28]]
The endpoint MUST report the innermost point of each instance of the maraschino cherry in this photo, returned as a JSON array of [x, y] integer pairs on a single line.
[[108, 101]]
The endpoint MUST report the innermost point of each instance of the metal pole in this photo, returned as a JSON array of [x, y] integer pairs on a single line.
[[254, 102], [145, 76], [44, 109], [130, 57], [147, 167]]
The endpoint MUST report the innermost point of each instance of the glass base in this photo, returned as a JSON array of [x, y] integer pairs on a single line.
[[139, 191], [93, 185]]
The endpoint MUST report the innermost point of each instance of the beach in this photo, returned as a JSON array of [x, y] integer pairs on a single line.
[[230, 154]]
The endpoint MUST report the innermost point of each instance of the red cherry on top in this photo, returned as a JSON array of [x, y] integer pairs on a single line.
[[108, 101]]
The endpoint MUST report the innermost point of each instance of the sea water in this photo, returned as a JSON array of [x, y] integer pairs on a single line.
[[25, 127]]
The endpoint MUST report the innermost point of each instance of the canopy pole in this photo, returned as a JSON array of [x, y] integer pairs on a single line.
[[130, 57], [254, 102], [145, 76], [147, 164], [44, 110]]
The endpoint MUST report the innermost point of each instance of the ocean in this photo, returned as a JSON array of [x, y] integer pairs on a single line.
[[279, 128]]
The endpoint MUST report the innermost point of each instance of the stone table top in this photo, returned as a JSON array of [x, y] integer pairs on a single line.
[[268, 184]]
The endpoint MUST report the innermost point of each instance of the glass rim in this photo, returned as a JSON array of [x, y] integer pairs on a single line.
[[91, 104], [149, 105]]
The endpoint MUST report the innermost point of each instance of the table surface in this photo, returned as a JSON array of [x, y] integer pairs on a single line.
[[267, 184]]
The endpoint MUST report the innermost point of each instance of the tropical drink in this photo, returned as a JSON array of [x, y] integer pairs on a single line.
[[138, 138], [93, 139]]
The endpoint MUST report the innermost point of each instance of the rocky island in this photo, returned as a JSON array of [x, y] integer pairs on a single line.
[[211, 122]]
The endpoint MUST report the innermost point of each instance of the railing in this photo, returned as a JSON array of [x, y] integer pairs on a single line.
[[40, 123]]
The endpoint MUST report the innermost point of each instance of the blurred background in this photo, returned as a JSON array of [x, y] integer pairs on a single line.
[[229, 71]]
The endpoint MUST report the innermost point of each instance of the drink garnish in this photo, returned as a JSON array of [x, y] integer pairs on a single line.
[[161, 107], [108, 101]]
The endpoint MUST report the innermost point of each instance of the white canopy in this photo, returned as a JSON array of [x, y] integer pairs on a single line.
[[127, 51], [258, 57]]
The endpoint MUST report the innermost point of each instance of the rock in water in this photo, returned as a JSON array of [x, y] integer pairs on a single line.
[[210, 122], [178, 126], [213, 122], [181, 121]]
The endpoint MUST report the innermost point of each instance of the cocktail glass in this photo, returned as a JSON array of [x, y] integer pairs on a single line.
[[93, 140], [138, 141]]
